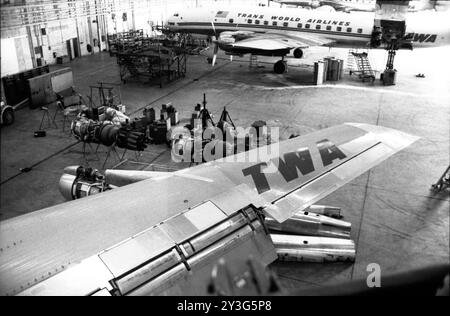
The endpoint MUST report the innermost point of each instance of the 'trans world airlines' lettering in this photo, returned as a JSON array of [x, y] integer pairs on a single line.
[[293, 19]]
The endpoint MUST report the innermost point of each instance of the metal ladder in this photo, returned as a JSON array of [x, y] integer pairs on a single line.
[[364, 69], [253, 61]]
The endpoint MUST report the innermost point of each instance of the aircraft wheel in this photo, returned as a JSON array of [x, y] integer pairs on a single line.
[[298, 53], [280, 67], [8, 117]]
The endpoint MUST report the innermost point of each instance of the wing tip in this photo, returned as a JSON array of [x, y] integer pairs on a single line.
[[392, 137]]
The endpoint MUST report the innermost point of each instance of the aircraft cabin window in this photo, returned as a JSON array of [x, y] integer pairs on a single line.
[[256, 21], [328, 27], [360, 31], [266, 22], [231, 20], [339, 29], [307, 26], [249, 21], [285, 24], [274, 23], [318, 27], [299, 25], [349, 29]]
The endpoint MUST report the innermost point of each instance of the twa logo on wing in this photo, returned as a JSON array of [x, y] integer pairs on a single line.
[[421, 38], [289, 165]]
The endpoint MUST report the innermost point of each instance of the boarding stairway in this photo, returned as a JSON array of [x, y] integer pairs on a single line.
[[359, 64]]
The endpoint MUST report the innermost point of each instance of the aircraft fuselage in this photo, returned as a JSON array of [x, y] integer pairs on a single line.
[[352, 30]]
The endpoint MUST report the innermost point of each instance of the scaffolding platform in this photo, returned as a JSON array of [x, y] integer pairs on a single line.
[[155, 63]]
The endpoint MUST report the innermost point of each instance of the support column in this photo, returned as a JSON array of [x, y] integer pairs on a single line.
[[31, 46]]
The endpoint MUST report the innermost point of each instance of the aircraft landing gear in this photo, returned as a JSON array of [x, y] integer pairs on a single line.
[[298, 53], [280, 67]]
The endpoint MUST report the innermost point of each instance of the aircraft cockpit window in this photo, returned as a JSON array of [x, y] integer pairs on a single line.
[[176, 14], [222, 14]]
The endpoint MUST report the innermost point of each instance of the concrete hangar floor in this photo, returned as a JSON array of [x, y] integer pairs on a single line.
[[397, 221]]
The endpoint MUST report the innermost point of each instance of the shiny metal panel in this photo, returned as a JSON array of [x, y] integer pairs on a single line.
[[234, 249], [210, 236], [102, 292], [237, 198], [222, 246], [161, 283], [324, 220], [82, 279], [308, 225], [313, 249], [330, 211], [147, 272], [136, 251], [292, 241], [192, 222]]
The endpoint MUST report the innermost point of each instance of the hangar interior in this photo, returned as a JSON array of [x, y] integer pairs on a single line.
[[398, 220]]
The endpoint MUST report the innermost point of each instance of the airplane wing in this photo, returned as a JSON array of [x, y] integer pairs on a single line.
[[159, 235], [273, 41]]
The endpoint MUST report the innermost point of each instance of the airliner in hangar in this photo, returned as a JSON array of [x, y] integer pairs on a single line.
[[276, 32]]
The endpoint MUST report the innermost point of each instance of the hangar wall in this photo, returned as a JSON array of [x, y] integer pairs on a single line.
[[37, 32]]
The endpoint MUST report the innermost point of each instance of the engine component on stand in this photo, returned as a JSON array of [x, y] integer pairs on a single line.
[[112, 115], [129, 139], [158, 131], [108, 134], [79, 182]]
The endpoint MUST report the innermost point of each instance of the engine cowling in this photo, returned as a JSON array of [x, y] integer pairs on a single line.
[[78, 182]]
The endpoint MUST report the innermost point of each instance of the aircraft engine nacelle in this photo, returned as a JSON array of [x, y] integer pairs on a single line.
[[78, 182], [298, 53]]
